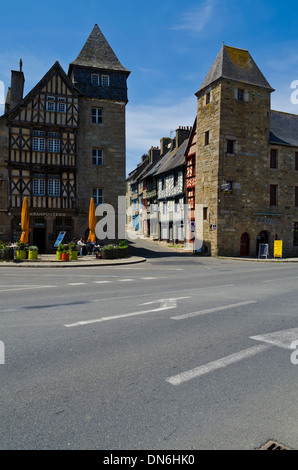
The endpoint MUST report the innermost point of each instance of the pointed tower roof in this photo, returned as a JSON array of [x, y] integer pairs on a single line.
[[97, 53], [238, 65]]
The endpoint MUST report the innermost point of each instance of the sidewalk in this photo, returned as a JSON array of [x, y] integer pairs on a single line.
[[50, 261]]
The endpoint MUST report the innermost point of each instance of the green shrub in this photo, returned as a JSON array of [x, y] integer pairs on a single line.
[[122, 244], [33, 248]]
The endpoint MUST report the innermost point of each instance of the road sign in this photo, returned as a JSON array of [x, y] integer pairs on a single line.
[[277, 248]]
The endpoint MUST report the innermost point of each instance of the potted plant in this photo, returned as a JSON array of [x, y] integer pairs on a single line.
[[73, 253], [122, 249], [59, 251], [32, 252], [21, 251], [108, 252], [6, 252], [65, 254]]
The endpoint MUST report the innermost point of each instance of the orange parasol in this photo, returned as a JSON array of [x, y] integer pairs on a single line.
[[25, 222], [92, 222]]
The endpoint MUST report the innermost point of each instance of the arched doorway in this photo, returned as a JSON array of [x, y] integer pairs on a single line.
[[244, 244], [262, 238]]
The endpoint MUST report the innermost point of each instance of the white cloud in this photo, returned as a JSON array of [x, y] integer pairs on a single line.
[[195, 20], [147, 124]]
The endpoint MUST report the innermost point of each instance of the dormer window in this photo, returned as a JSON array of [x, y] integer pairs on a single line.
[[95, 79]]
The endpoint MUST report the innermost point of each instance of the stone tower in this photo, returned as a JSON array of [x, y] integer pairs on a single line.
[[233, 125], [102, 83]]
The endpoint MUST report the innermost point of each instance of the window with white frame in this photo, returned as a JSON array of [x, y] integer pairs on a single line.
[[105, 80], [39, 144], [61, 106], [95, 79], [98, 196], [97, 157], [54, 187], [54, 145], [97, 115], [50, 104], [39, 187]]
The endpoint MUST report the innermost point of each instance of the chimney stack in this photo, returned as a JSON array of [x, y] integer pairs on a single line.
[[16, 87], [164, 142], [154, 153], [181, 134]]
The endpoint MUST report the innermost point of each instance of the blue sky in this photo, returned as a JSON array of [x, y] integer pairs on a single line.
[[168, 45]]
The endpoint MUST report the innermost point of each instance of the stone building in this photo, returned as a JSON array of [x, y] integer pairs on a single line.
[[63, 144], [246, 187]]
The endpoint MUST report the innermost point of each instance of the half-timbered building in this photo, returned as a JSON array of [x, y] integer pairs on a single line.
[[63, 144]]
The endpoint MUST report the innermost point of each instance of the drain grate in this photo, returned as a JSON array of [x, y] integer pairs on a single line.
[[273, 445]]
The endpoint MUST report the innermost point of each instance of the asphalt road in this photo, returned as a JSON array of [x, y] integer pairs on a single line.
[[179, 352]]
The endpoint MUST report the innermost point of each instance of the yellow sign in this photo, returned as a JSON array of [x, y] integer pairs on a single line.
[[278, 249]]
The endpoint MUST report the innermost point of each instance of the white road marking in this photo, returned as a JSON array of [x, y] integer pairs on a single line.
[[166, 304], [212, 310], [221, 363], [150, 278], [8, 310], [76, 283], [281, 279], [195, 289], [102, 282], [27, 288], [282, 339], [126, 280], [162, 300]]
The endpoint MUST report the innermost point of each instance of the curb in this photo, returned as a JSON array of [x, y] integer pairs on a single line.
[[71, 264]]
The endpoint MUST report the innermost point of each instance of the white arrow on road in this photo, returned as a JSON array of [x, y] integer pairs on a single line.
[[165, 304], [282, 339]]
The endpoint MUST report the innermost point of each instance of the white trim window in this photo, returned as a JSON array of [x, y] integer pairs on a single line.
[[39, 187], [50, 104], [97, 115], [54, 187], [95, 79], [61, 106], [105, 80], [54, 145], [38, 144], [97, 157], [98, 196]]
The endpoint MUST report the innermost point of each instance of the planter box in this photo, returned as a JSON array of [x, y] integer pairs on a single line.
[[32, 255], [65, 257], [73, 255], [58, 255], [122, 252], [108, 254], [6, 254], [21, 254]]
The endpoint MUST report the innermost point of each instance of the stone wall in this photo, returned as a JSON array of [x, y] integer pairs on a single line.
[[109, 136]]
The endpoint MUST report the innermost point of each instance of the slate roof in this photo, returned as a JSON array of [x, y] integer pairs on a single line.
[[97, 53], [173, 159], [284, 128], [235, 64]]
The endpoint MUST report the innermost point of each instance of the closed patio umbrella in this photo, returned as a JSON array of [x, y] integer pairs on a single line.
[[92, 222], [25, 222]]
